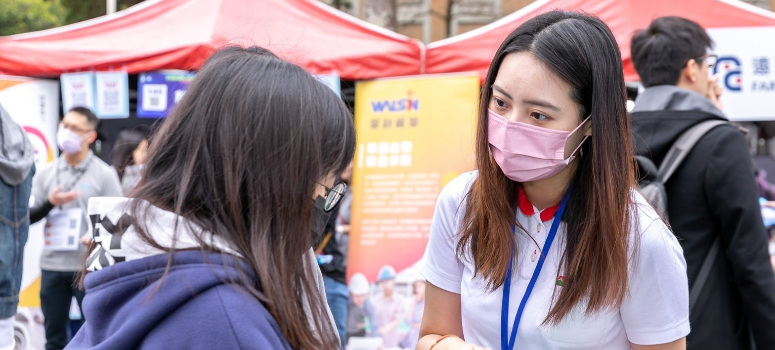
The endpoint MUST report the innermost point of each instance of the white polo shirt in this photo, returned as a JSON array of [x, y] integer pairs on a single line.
[[655, 311]]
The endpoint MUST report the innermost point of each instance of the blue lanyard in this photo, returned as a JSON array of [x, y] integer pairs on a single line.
[[508, 344]]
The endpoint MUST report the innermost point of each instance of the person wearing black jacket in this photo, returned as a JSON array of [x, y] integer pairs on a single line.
[[712, 194]]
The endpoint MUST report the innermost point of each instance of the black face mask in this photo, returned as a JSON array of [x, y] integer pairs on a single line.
[[319, 219]]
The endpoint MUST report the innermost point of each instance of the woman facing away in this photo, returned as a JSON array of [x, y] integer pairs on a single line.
[[128, 157], [547, 245], [211, 252]]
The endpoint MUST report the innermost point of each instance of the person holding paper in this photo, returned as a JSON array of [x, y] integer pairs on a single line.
[[61, 192]]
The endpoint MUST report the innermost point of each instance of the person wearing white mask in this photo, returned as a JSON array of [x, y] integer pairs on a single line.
[[548, 245], [61, 192]]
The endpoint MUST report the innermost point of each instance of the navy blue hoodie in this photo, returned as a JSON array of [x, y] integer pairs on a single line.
[[194, 307]]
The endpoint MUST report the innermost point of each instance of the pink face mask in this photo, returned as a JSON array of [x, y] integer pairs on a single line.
[[528, 153]]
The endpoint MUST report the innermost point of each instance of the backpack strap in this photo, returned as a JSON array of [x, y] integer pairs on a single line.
[[673, 159], [683, 145], [648, 170], [702, 277]]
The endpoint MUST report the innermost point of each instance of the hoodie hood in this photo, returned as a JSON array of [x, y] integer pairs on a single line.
[[114, 230], [135, 289], [127, 302], [662, 113], [16, 154], [134, 286], [674, 98]]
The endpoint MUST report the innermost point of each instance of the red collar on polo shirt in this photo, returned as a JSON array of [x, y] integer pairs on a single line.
[[527, 208]]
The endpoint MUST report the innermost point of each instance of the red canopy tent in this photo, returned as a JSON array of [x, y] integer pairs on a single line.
[[181, 34], [474, 50]]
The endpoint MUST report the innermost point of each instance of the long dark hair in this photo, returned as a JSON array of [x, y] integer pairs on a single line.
[[126, 143], [583, 52], [240, 157]]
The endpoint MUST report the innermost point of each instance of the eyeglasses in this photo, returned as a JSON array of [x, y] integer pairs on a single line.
[[333, 195], [709, 59], [74, 128]]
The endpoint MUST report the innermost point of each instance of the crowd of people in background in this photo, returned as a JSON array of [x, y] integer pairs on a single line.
[[189, 206], [386, 314]]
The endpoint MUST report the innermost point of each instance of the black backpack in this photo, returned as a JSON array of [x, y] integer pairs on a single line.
[[652, 183], [651, 186]]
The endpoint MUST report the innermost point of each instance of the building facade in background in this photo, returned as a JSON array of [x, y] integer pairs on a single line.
[[433, 20]]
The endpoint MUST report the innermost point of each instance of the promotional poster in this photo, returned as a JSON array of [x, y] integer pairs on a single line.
[[415, 134]]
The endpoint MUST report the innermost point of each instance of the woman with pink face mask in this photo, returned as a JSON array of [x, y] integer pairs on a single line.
[[548, 245]]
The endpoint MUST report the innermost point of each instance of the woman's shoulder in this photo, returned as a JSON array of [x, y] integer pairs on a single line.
[[649, 229], [236, 311], [643, 213], [457, 189], [451, 200], [235, 301]]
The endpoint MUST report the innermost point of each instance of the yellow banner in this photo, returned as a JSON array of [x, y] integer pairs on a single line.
[[415, 134]]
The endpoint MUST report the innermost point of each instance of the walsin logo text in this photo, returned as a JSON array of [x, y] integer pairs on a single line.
[[398, 105]]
